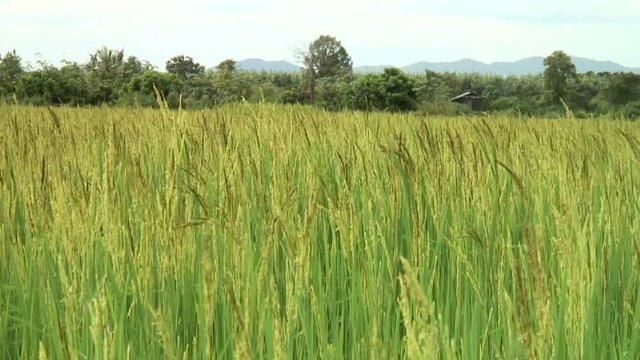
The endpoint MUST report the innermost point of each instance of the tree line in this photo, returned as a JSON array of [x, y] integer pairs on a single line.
[[327, 80]]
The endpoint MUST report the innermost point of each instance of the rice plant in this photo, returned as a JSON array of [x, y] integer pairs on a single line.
[[285, 232]]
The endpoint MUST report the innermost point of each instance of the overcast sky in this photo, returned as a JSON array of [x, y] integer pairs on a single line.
[[374, 32]]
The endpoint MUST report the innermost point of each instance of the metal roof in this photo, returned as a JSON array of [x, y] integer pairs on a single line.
[[465, 94]]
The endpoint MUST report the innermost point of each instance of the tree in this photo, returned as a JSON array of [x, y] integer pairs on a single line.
[[325, 57], [106, 60], [142, 88], [199, 91], [558, 72], [227, 67], [366, 93], [184, 67], [392, 91], [10, 72], [132, 67], [433, 88], [631, 110], [41, 87], [581, 95], [104, 74], [329, 92], [399, 90], [229, 87], [50, 85], [75, 83], [623, 88]]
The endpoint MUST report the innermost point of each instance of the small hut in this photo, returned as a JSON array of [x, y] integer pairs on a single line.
[[471, 99]]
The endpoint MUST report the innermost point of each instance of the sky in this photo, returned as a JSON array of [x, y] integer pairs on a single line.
[[394, 33]]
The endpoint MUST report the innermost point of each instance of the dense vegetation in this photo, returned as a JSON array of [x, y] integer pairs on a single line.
[[279, 231], [327, 81]]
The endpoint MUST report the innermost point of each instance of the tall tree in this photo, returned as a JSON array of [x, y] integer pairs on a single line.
[[132, 67], [184, 67], [75, 82], [229, 86], [10, 72], [325, 57], [433, 88], [558, 73], [104, 74], [106, 60], [227, 66]]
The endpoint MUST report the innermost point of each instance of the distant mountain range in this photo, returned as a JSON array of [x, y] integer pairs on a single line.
[[265, 65], [531, 65]]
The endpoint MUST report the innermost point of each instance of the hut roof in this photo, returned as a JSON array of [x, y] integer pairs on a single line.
[[467, 94]]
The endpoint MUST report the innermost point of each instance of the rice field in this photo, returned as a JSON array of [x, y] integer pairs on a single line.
[[285, 232]]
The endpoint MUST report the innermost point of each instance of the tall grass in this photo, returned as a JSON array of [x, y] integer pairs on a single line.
[[271, 231]]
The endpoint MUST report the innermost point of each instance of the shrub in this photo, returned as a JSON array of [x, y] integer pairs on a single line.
[[631, 110], [445, 108]]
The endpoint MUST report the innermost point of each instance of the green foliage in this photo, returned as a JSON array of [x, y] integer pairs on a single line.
[[103, 75], [10, 72], [106, 61], [330, 90], [327, 57], [298, 94], [132, 67], [511, 103], [227, 67], [559, 72], [184, 67], [145, 82], [399, 90], [391, 91], [585, 89], [444, 108], [140, 89], [433, 88], [199, 91], [64, 86], [366, 93], [623, 88], [108, 74], [110, 78], [631, 110], [230, 84]]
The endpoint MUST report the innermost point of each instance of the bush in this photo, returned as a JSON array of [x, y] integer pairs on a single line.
[[504, 104], [631, 110], [445, 108]]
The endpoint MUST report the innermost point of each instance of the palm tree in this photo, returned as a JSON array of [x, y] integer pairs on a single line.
[[104, 69], [106, 60]]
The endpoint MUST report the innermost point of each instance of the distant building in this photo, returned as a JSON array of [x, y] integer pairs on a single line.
[[471, 99]]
